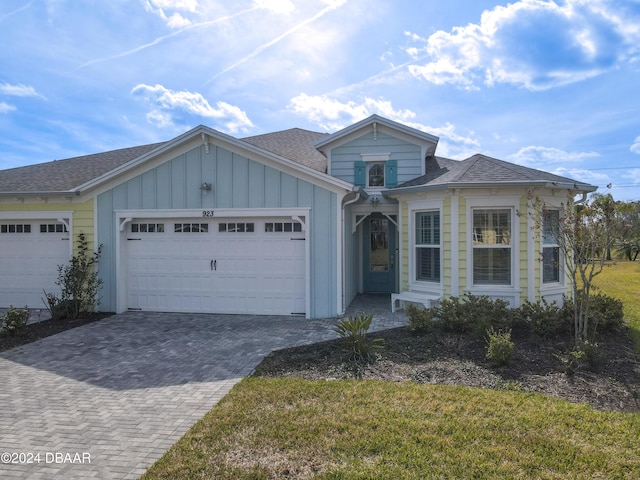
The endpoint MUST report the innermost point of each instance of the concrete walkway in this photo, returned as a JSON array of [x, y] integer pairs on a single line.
[[106, 400]]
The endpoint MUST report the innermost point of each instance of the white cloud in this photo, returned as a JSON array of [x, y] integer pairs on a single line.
[[582, 175], [633, 175], [276, 6], [332, 115], [543, 157], [532, 43], [166, 101], [6, 108], [174, 20], [635, 148], [18, 90]]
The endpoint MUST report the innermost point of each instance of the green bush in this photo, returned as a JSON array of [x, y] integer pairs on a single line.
[[499, 346], [474, 313], [421, 320], [453, 315], [605, 313], [543, 318], [354, 333], [14, 321], [78, 282]]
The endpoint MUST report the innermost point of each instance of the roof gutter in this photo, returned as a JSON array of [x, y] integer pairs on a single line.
[[541, 183], [47, 193]]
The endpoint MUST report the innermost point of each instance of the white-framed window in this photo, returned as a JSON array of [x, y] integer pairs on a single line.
[[492, 249], [427, 246], [375, 175], [236, 227], [15, 228], [190, 227], [147, 228], [550, 246]]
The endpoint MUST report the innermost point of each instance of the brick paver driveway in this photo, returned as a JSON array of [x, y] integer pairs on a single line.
[[106, 400]]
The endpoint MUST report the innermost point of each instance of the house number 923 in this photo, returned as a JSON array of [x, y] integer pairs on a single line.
[[207, 213]]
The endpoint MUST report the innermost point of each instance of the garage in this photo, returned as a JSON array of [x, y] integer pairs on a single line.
[[30, 252], [248, 265]]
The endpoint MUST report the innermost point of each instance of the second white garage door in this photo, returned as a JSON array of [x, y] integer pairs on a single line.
[[30, 253], [253, 265]]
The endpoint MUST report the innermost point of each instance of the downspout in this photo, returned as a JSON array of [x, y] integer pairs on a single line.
[[357, 197]]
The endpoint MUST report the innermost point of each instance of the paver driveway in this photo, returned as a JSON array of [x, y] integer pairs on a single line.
[[106, 400]]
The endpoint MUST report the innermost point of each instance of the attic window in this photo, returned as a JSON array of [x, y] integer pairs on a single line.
[[375, 174]]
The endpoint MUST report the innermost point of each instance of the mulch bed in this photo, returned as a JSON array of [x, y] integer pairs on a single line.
[[610, 383], [36, 331]]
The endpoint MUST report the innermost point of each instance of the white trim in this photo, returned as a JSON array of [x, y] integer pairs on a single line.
[[375, 157], [216, 213], [340, 307], [512, 203], [35, 215], [413, 208], [454, 206], [531, 241]]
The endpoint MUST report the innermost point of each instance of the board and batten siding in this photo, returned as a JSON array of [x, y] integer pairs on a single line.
[[407, 155], [237, 182]]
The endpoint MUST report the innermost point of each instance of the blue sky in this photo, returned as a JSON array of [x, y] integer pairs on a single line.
[[550, 85]]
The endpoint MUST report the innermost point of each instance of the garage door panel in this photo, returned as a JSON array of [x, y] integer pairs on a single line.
[[29, 261], [227, 267]]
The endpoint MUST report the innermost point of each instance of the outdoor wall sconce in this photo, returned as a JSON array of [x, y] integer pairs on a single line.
[[375, 200], [205, 187]]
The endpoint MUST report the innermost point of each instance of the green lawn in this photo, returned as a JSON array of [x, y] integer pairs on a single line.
[[622, 281], [289, 428], [292, 428]]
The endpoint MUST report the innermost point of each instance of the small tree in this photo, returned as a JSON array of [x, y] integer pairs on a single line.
[[79, 284], [584, 235]]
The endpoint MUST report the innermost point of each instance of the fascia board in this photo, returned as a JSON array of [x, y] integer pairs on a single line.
[[339, 137]]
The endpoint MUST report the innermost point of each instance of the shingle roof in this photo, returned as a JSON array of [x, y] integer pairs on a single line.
[[68, 174], [481, 169], [294, 144]]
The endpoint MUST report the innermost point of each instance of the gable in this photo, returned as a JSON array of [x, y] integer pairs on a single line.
[[376, 147]]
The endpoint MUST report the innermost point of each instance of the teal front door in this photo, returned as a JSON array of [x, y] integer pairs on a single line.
[[379, 254]]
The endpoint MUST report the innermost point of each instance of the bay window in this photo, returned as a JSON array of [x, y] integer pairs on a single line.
[[550, 246], [427, 246], [492, 246]]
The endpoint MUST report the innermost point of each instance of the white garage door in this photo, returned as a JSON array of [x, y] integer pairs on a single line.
[[30, 252], [248, 265]]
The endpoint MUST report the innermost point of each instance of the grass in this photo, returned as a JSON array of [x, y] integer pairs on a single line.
[[291, 428], [622, 281]]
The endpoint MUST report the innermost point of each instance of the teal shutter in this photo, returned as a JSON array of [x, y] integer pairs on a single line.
[[391, 173], [360, 174]]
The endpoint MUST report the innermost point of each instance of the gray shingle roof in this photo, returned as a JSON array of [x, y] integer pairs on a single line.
[[481, 169], [68, 174], [294, 144]]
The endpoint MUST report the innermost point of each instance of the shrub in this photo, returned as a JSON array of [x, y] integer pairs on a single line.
[[605, 313], [14, 321], [543, 318], [354, 333], [474, 313], [78, 282], [499, 346], [453, 315], [421, 320]]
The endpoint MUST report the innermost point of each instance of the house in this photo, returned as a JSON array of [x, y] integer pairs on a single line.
[[287, 223]]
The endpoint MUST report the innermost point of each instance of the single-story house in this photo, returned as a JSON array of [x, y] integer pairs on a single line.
[[289, 223]]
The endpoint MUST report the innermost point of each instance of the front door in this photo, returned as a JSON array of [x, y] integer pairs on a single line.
[[379, 254]]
